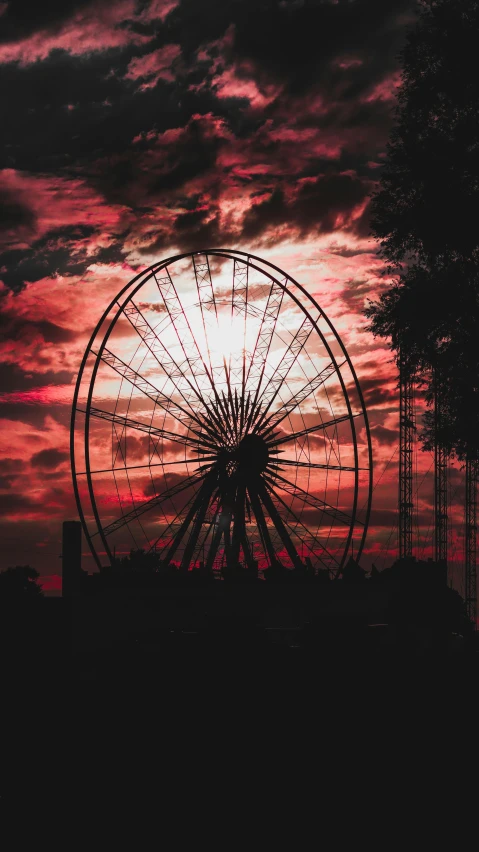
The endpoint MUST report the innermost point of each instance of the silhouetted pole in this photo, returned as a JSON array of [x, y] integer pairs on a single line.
[[440, 485], [406, 441], [470, 568]]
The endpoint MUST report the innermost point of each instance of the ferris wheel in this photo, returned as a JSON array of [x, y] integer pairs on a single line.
[[218, 422]]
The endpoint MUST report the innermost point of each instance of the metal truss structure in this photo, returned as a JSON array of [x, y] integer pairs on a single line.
[[407, 430], [441, 458], [470, 562]]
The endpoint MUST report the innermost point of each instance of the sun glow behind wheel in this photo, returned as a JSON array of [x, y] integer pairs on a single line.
[[218, 420]]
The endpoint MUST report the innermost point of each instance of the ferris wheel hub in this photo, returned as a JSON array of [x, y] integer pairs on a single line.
[[249, 456], [253, 454]]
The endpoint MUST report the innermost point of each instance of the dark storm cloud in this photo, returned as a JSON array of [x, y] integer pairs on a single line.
[[10, 469], [294, 41], [384, 435], [49, 459], [79, 113], [12, 502], [34, 415], [54, 503], [14, 214], [193, 153], [59, 251], [73, 103], [8, 465], [7, 481], [378, 392], [317, 207], [23, 17], [48, 331], [12, 378], [204, 233], [60, 115]]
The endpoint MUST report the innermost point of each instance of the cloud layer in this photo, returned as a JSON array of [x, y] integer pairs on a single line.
[[137, 129]]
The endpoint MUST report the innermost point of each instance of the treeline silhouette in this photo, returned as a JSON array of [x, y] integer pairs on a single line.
[[414, 591], [20, 582], [425, 216], [140, 565]]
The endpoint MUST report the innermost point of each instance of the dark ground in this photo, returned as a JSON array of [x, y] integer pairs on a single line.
[[190, 646], [229, 708]]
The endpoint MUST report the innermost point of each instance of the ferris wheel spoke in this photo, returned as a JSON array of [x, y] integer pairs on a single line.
[[310, 500], [215, 543], [204, 496], [184, 333], [207, 302], [230, 403], [200, 445], [239, 306], [327, 559], [269, 319], [166, 362], [239, 529], [222, 519], [202, 375], [209, 316], [313, 465], [200, 498], [170, 524], [202, 540], [296, 399], [293, 436], [202, 544], [279, 525], [312, 541], [121, 468], [247, 551], [274, 383], [158, 500], [298, 521], [149, 390], [261, 523]]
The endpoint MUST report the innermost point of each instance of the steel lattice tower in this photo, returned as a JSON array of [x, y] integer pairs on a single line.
[[406, 441], [440, 486], [470, 575]]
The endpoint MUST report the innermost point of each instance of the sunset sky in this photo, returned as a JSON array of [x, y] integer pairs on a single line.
[[135, 130]]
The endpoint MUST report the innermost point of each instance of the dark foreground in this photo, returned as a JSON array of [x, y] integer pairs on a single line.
[[203, 703], [187, 648]]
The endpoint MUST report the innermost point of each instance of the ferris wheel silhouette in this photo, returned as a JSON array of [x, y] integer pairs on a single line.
[[218, 421]]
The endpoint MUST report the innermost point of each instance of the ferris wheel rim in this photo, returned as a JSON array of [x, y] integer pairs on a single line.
[[131, 288]]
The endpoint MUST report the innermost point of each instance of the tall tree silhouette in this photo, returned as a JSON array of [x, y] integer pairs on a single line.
[[425, 217]]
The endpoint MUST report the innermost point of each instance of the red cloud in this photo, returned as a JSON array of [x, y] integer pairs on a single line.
[[55, 202], [57, 302], [240, 82], [39, 396], [97, 27], [153, 66]]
